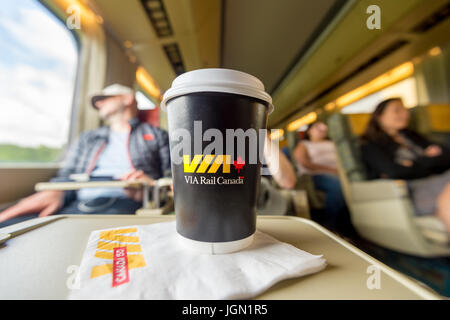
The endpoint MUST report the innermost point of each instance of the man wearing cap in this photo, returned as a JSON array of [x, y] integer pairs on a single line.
[[125, 149]]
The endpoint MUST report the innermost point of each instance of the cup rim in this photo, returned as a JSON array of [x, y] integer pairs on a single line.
[[230, 81]]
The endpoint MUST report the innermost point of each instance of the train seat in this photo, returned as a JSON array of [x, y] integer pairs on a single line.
[[381, 210], [433, 121]]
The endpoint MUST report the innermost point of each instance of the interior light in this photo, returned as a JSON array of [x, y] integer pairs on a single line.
[[87, 16], [128, 44], [276, 134], [435, 51], [395, 75], [147, 83], [307, 119], [329, 107]]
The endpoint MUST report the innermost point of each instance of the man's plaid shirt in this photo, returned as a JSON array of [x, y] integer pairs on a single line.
[[148, 150]]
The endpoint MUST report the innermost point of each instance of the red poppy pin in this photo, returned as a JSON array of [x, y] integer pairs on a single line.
[[148, 137]]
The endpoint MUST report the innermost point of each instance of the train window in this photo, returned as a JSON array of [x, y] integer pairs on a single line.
[[405, 89], [144, 103], [38, 63]]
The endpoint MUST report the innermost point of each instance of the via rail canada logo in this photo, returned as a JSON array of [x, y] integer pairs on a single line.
[[210, 163], [121, 250]]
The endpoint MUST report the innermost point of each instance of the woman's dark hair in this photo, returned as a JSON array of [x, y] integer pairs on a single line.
[[374, 132], [307, 136]]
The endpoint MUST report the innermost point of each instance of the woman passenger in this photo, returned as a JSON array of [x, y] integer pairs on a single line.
[[316, 156], [391, 151]]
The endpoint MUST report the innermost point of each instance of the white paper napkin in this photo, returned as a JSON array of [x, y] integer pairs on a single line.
[[157, 266]]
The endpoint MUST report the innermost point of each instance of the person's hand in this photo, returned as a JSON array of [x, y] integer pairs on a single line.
[[136, 175], [433, 151], [407, 163], [45, 203]]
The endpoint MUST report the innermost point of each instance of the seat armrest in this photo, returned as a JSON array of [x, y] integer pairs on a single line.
[[382, 189], [433, 229], [160, 183], [430, 223]]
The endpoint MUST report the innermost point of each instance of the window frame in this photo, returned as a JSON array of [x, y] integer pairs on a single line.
[[77, 35]]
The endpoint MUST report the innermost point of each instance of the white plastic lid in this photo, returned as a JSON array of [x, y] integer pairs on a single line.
[[217, 80]]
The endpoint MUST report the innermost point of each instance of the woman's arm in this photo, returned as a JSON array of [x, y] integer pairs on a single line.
[[435, 157], [284, 173], [417, 138], [301, 155], [382, 165]]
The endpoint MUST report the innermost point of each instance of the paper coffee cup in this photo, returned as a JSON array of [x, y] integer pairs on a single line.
[[216, 188]]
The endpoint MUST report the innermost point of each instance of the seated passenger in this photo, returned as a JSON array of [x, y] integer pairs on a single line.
[[391, 151], [279, 165], [316, 156], [271, 200], [126, 149]]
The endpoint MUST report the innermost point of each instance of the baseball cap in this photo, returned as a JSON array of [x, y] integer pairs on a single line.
[[110, 91]]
